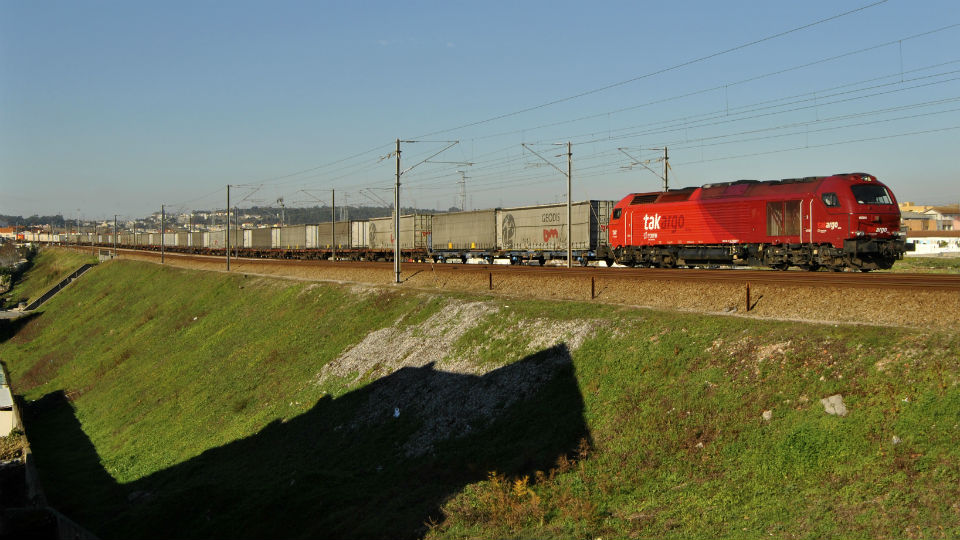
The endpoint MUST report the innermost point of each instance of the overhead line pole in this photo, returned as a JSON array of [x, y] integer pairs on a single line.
[[570, 206], [396, 202], [333, 222], [396, 220], [666, 169], [228, 228], [569, 175], [163, 230]]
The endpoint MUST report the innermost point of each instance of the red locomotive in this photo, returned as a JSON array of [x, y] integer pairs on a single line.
[[833, 222]]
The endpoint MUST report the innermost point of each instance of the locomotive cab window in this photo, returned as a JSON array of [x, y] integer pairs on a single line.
[[617, 213], [831, 199], [871, 194]]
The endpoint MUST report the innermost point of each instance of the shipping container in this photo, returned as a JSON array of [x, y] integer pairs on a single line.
[[415, 231], [359, 234], [257, 238], [475, 230], [195, 239], [544, 227], [289, 237], [218, 239], [324, 235]]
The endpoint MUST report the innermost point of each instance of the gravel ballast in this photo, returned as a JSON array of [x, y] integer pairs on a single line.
[[916, 308]]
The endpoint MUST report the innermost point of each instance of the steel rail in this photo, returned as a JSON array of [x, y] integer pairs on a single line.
[[733, 276]]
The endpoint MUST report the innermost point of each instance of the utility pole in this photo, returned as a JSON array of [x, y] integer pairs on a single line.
[[333, 222], [228, 228], [396, 201], [570, 206], [396, 220], [236, 232], [163, 230], [114, 235], [463, 190], [569, 174], [666, 169]]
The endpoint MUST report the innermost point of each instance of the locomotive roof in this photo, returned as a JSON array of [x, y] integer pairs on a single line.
[[725, 189]]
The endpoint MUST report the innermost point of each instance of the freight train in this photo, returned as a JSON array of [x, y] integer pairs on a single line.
[[844, 221]]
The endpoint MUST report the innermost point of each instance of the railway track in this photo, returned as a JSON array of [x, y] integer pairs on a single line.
[[942, 282]]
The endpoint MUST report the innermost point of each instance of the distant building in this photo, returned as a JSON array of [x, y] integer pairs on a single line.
[[925, 217], [917, 221], [948, 217]]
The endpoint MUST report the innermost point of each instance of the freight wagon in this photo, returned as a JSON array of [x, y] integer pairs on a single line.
[[464, 235], [322, 235], [540, 232], [415, 236]]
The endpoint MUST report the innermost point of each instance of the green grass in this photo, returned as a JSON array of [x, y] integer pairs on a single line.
[[47, 269], [927, 265], [172, 403], [680, 450]]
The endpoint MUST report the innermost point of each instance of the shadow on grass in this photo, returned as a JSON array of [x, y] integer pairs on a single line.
[[11, 327], [350, 467]]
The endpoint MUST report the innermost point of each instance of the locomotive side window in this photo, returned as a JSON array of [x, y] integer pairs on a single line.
[[774, 218], [831, 199], [871, 194], [791, 218], [783, 218], [617, 212]]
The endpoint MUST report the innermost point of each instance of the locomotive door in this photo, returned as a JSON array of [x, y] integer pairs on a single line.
[[628, 229]]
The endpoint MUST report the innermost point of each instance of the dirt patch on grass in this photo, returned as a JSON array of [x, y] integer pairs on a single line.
[[42, 370], [451, 393], [389, 349]]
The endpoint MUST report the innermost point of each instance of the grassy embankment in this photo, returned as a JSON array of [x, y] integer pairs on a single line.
[[927, 265], [45, 271], [172, 403]]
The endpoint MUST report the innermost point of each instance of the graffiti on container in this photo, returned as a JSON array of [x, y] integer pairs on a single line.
[[550, 217], [550, 234], [508, 230]]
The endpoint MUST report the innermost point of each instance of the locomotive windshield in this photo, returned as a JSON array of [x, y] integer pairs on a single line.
[[871, 194]]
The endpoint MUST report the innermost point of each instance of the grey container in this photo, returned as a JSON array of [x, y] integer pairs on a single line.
[[218, 239], [195, 239], [324, 235], [544, 227], [415, 232], [289, 237], [465, 230], [258, 238], [359, 234]]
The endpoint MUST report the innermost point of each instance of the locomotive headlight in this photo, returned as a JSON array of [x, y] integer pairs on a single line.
[[858, 233]]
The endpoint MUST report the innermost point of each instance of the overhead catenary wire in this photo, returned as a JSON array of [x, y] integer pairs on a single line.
[[503, 160], [657, 72]]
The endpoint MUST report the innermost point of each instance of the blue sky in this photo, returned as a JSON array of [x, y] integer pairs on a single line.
[[119, 107]]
